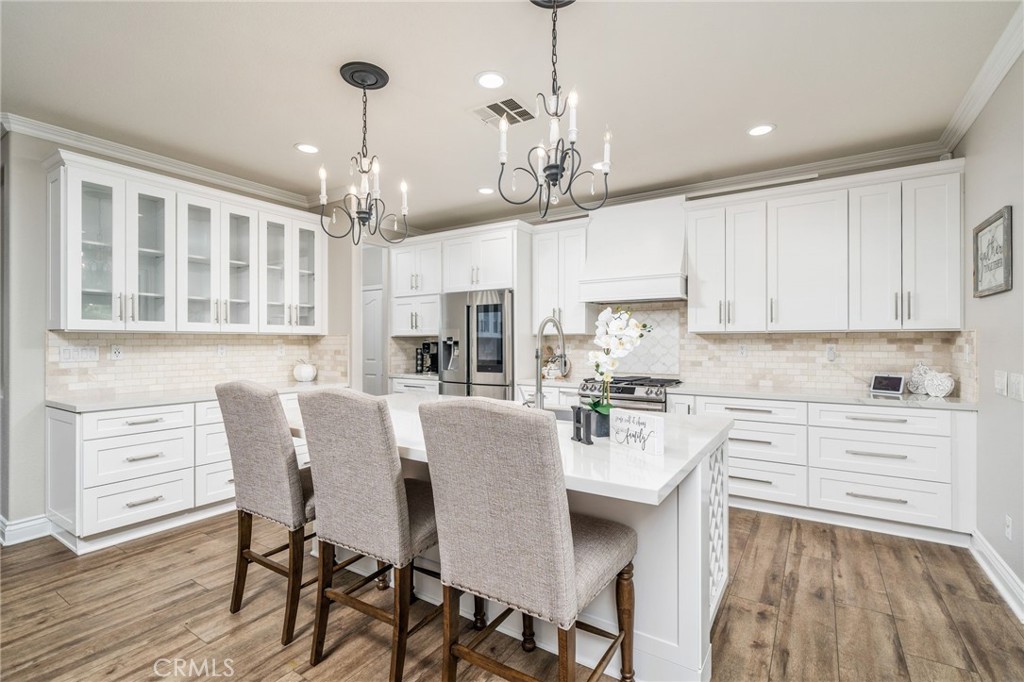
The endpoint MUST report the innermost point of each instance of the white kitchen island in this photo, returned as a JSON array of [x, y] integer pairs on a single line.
[[677, 502]]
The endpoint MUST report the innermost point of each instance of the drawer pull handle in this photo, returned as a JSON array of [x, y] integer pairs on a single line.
[[877, 498], [148, 500], [759, 410], [415, 386], [752, 480], [884, 455], [140, 422], [231, 481], [750, 440], [887, 420], [139, 458]]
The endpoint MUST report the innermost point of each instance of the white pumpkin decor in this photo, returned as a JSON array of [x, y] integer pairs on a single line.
[[939, 384], [304, 371], [918, 377]]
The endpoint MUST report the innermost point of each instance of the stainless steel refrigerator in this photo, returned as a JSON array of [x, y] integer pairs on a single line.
[[475, 344]]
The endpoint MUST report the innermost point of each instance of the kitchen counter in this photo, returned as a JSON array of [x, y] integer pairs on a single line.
[[856, 397], [90, 401]]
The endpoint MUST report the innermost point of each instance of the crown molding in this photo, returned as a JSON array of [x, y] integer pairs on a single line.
[[1001, 59], [114, 150]]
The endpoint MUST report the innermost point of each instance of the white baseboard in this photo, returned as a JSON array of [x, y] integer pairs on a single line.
[[23, 530], [999, 572]]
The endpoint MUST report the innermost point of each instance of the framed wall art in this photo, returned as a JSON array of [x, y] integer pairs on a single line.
[[993, 254]]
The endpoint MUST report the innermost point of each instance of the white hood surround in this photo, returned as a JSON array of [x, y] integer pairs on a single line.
[[635, 253]]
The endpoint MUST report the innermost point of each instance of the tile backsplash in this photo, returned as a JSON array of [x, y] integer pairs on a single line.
[[188, 361], [784, 361]]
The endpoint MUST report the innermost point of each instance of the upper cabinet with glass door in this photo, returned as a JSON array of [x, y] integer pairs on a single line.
[[111, 252], [293, 257]]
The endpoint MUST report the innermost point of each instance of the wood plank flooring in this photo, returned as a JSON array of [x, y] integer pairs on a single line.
[[807, 601]]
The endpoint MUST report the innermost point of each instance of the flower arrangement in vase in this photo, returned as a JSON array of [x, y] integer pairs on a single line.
[[618, 333]]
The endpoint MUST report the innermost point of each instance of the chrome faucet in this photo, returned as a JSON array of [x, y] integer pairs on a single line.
[[538, 398]]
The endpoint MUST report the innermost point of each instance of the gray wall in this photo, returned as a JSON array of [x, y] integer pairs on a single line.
[[993, 178]]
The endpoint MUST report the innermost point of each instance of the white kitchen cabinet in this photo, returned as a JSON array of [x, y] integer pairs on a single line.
[[112, 252], [931, 253], [479, 261], [292, 276], [239, 268], [681, 404], [415, 316], [726, 266], [807, 262], [416, 269], [429, 386], [558, 259], [905, 263]]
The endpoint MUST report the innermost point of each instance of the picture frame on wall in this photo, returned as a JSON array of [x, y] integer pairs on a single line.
[[993, 254]]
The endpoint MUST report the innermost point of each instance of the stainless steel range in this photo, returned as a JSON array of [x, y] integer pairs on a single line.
[[631, 393]]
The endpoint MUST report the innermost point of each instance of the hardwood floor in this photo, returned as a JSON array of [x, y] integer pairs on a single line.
[[807, 602]]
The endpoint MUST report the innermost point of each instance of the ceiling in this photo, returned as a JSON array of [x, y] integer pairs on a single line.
[[233, 86]]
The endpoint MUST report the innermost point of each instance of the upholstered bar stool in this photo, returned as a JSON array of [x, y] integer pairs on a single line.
[[506, 532], [367, 507], [268, 483]]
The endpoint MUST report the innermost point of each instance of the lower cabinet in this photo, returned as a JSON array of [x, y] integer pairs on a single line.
[[214, 483], [924, 503], [121, 504], [415, 386], [764, 480]]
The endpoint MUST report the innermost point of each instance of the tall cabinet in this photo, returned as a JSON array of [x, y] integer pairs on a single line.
[[559, 254]]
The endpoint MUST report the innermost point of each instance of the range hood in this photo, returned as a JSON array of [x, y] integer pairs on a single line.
[[635, 253]]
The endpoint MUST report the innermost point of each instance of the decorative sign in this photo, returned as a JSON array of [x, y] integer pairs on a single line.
[[993, 254], [642, 431]]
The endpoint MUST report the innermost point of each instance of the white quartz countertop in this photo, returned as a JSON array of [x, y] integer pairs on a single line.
[[425, 376], [602, 468], [857, 397], [88, 401]]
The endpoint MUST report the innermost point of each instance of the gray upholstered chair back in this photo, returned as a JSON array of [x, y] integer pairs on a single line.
[[357, 475], [262, 453], [502, 512]]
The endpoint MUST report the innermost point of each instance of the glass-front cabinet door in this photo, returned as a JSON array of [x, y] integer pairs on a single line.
[[149, 262], [292, 258], [199, 296], [239, 261], [96, 250], [275, 268], [307, 299]]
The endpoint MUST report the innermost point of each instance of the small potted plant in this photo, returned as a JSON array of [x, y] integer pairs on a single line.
[[618, 333]]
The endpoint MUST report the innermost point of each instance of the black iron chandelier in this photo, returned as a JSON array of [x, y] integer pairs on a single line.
[[558, 166], [364, 208]]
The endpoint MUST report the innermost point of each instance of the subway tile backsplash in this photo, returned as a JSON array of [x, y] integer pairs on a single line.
[[188, 361]]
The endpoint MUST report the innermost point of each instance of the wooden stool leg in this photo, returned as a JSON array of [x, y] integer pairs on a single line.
[[624, 598], [449, 661], [382, 581], [241, 563], [529, 643], [567, 654], [325, 579], [400, 633], [296, 542], [479, 613]]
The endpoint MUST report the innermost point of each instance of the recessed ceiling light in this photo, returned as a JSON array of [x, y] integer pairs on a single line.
[[485, 190], [490, 80], [306, 148], [762, 129]]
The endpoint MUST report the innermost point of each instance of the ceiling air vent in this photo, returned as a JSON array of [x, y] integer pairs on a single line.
[[509, 108]]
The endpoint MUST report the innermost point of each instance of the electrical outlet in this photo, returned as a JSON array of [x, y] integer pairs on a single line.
[[280, 350], [80, 354], [743, 350], [222, 350], [1008, 527], [1000, 382], [831, 353], [1017, 387], [116, 352]]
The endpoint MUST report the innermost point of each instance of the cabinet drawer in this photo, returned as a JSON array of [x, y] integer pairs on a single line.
[[121, 504], [413, 386], [924, 421], [109, 460], [925, 458], [783, 443], [208, 412], [778, 411], [211, 444], [290, 402], [214, 482], [786, 483], [925, 503], [139, 420]]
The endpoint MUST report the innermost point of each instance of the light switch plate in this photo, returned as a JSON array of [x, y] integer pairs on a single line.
[[1017, 387], [1000, 378]]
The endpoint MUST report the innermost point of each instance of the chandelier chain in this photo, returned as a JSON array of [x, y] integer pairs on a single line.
[[364, 124], [554, 48]]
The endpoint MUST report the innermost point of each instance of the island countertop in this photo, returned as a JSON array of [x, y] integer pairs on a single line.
[[603, 468]]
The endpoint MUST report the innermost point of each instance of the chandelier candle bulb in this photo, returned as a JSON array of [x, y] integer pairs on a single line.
[[323, 185], [376, 179], [607, 151], [503, 140], [573, 101], [405, 198]]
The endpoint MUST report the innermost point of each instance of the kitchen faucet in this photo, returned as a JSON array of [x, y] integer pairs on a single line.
[[538, 398]]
